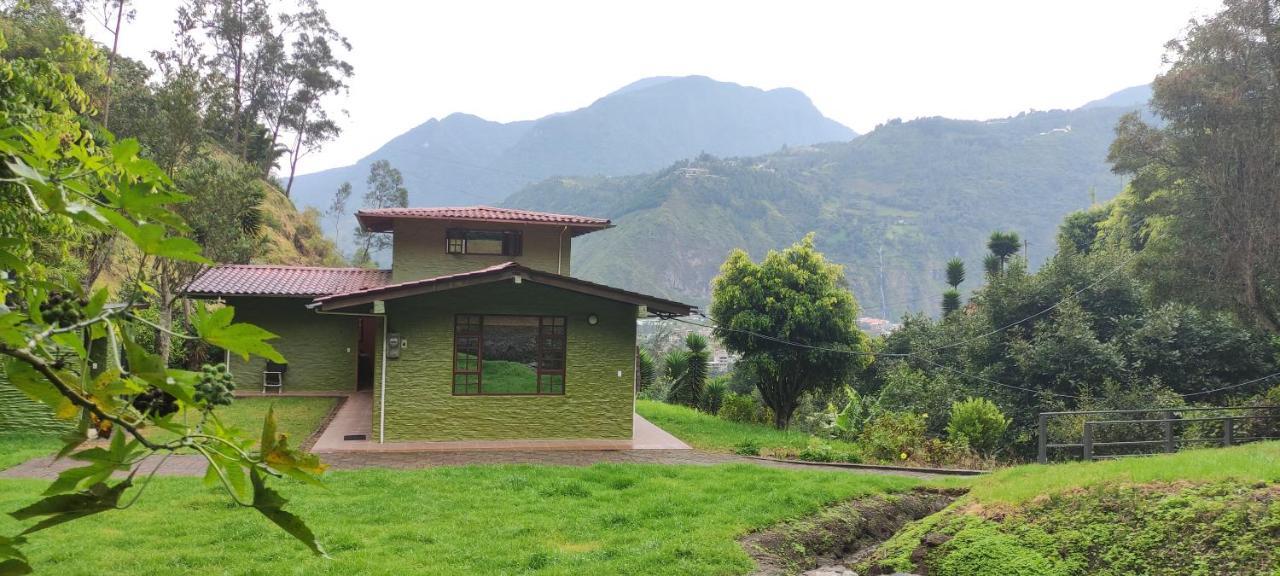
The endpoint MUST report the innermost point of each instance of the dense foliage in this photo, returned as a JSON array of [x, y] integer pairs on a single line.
[[796, 296], [69, 187], [1203, 190]]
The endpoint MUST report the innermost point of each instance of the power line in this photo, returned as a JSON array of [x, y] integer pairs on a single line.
[[917, 355], [1055, 305], [1231, 387]]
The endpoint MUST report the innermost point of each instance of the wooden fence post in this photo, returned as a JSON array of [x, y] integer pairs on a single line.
[[1088, 441], [1228, 431], [1042, 426], [1168, 432]]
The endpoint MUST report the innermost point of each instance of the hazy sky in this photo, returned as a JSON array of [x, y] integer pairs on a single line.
[[861, 62]]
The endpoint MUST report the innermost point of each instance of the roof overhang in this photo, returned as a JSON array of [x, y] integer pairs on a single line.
[[381, 220], [509, 271]]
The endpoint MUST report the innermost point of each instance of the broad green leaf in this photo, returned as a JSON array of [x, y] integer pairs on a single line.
[[20, 169], [67, 507], [34, 384], [145, 365], [233, 468], [11, 330], [12, 561], [15, 567], [102, 464], [240, 338], [125, 150], [271, 504], [277, 454], [73, 438], [180, 384]]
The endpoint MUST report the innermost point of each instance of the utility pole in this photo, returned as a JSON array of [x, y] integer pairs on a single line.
[[884, 306]]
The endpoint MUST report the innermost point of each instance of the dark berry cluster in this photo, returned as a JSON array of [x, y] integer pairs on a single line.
[[156, 401], [215, 386], [63, 308]]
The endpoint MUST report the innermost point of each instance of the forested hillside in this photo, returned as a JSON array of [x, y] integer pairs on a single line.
[[463, 159], [917, 193]]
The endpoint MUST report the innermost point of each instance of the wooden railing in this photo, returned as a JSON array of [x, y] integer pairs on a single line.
[[1169, 422]]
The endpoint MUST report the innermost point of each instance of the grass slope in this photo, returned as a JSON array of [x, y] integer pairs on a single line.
[[604, 519], [713, 434], [1199, 512]]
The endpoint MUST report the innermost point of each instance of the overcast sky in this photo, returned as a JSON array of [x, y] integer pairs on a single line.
[[861, 62]]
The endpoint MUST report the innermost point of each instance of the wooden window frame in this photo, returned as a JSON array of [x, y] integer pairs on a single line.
[[545, 324], [456, 242]]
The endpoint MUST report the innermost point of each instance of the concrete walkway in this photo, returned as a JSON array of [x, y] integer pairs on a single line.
[[188, 465], [351, 430]]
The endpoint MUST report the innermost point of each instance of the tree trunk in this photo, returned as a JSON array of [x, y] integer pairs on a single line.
[[296, 155], [164, 341], [111, 65]]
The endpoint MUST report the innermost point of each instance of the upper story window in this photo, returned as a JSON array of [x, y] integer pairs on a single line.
[[484, 242]]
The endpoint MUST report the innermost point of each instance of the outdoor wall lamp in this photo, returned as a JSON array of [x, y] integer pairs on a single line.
[[592, 319]]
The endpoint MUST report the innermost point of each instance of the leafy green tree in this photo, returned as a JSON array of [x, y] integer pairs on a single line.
[[687, 371], [385, 189], [1202, 194], [950, 301], [797, 296], [955, 276], [338, 207], [955, 273], [57, 183], [1004, 245], [674, 367], [991, 265]]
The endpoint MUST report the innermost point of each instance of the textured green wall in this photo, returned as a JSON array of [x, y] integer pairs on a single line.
[[597, 402], [19, 413], [321, 350], [419, 250]]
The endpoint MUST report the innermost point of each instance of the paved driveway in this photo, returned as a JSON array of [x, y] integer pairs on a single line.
[[190, 465]]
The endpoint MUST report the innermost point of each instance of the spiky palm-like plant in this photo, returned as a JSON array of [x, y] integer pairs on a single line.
[[955, 273], [950, 301]]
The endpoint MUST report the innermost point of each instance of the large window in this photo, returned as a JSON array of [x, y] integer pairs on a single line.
[[508, 354], [484, 242]]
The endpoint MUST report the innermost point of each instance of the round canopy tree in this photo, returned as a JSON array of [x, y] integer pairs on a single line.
[[792, 319]]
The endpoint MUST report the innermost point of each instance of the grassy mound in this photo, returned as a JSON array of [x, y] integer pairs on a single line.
[[1197, 512]]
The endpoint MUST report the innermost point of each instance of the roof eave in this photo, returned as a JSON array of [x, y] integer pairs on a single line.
[[651, 303]]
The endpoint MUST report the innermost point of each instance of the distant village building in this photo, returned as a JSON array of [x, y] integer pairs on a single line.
[[876, 326]]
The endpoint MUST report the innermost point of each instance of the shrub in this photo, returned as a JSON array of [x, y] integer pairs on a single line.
[[646, 370], [818, 451], [977, 422], [656, 391], [713, 395], [748, 447], [893, 436], [740, 408]]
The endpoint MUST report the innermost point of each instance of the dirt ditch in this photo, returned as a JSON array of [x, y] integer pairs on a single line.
[[840, 535]]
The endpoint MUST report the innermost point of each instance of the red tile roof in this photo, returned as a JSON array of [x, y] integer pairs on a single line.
[[379, 219], [495, 273], [271, 280]]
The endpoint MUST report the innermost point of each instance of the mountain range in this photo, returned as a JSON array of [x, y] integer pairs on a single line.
[[892, 205], [690, 168], [465, 159]]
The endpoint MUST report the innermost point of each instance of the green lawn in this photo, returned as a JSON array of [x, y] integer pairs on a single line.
[[297, 416], [706, 432], [18, 448], [1220, 507], [604, 519], [1258, 462], [502, 377]]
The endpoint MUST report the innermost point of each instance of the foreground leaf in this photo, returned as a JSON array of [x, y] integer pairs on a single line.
[[239, 338], [67, 507], [271, 504]]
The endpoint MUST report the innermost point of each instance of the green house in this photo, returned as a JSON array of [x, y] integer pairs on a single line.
[[478, 331]]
